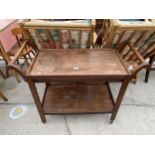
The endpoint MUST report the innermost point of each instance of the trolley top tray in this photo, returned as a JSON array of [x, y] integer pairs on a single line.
[[77, 62]]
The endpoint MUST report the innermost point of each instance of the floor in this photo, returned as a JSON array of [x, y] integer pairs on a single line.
[[136, 114]]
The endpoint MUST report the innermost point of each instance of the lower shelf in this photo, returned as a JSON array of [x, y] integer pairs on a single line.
[[69, 99]]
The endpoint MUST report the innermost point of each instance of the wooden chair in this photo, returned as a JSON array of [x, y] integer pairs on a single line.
[[1, 94], [7, 59], [20, 38]]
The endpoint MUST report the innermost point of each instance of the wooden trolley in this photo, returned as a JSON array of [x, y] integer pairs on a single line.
[[77, 80]]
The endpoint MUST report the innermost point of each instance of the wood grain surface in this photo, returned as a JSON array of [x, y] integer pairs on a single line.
[[77, 99], [77, 62]]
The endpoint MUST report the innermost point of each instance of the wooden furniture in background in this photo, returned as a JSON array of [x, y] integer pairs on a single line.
[[8, 56], [140, 33], [77, 80], [99, 32], [3, 97], [6, 37], [2, 74], [151, 61], [18, 34], [1, 94], [59, 34], [7, 59], [28, 51]]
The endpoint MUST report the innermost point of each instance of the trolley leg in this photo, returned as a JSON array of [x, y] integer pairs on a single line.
[[37, 100], [119, 99]]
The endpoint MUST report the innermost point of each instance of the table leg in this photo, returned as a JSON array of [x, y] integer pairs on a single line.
[[37, 99], [119, 99]]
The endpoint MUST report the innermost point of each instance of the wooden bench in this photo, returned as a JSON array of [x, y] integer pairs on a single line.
[[55, 34]]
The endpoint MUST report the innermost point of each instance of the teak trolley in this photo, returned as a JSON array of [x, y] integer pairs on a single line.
[[77, 80]]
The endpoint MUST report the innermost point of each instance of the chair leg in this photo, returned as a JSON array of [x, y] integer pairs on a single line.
[[18, 62], [14, 73], [3, 97], [2, 74], [148, 70], [16, 76], [30, 57], [26, 60]]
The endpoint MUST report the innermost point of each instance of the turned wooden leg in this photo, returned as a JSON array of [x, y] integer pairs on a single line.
[[119, 99], [3, 97], [37, 100], [149, 69]]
